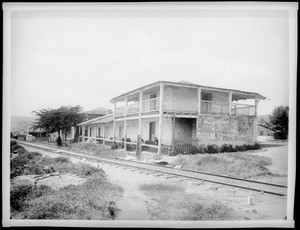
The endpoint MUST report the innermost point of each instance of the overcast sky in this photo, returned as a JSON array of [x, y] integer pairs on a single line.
[[86, 57]]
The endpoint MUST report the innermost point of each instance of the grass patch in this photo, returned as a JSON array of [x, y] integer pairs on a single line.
[[63, 165], [171, 202], [242, 165], [96, 150], [94, 199]]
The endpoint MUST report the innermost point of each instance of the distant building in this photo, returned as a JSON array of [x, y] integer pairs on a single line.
[[98, 112], [90, 115]]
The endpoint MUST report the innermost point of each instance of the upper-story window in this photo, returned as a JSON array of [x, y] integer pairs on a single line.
[[206, 96]]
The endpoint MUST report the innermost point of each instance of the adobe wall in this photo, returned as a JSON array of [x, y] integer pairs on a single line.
[[180, 99], [235, 130]]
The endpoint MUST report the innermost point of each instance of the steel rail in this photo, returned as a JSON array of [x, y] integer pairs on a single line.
[[127, 164]]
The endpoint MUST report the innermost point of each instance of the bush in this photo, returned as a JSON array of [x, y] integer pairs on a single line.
[[241, 148], [253, 147], [206, 210], [24, 164], [212, 148], [61, 160], [20, 194]]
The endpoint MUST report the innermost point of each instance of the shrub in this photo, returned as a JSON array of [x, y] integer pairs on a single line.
[[201, 149], [20, 194], [206, 210], [256, 146], [61, 160], [241, 148], [24, 164], [90, 146], [212, 148], [227, 148], [47, 208]]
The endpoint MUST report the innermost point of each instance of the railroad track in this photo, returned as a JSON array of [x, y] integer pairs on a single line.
[[182, 174]]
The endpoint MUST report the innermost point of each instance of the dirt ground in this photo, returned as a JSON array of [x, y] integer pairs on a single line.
[[279, 157], [135, 205]]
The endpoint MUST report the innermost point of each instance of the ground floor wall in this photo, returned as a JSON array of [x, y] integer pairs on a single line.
[[234, 130], [208, 129]]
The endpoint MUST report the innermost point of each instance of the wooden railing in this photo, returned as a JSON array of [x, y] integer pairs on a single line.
[[150, 105], [133, 109], [242, 109], [185, 146], [120, 111], [212, 107]]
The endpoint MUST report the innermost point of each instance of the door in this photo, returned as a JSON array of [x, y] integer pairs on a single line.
[[151, 131], [153, 102]]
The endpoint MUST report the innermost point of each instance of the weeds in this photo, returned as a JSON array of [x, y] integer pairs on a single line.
[[94, 199], [241, 165], [170, 202]]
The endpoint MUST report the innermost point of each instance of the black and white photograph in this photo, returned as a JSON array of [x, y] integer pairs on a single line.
[[149, 114]]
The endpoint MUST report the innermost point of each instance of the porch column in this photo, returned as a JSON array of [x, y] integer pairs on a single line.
[[125, 124], [140, 113], [160, 122], [255, 120], [199, 109], [256, 103], [114, 123], [199, 100], [230, 101], [95, 132], [173, 132], [83, 133], [104, 135]]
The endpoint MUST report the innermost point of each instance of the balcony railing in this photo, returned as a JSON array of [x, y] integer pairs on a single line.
[[147, 106], [133, 108], [150, 105], [120, 111], [207, 107], [212, 107], [242, 109]]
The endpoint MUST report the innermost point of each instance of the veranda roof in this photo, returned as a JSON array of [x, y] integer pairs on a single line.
[[98, 120]]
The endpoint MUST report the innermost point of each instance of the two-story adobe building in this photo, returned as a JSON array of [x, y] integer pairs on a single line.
[[164, 112]]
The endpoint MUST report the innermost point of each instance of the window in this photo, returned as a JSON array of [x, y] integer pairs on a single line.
[[261, 133], [206, 96]]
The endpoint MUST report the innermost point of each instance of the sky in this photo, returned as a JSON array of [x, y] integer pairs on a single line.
[[88, 56]]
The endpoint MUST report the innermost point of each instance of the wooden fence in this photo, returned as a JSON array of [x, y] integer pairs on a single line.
[[185, 146]]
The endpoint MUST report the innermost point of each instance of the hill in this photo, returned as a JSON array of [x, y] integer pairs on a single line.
[[19, 123]]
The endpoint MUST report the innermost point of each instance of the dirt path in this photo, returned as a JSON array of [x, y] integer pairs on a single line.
[[134, 204], [279, 157]]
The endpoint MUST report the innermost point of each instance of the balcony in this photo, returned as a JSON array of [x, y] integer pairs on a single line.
[[207, 107], [212, 107], [151, 105], [148, 106], [242, 109]]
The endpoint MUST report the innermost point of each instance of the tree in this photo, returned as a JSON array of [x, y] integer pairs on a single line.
[[279, 121], [57, 120]]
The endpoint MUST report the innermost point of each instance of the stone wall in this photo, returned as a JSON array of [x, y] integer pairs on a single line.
[[226, 129]]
